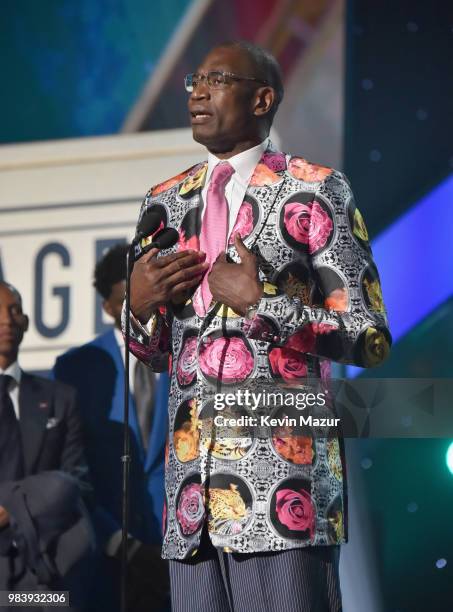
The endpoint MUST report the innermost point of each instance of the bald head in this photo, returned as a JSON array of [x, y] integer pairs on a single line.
[[13, 290], [13, 324]]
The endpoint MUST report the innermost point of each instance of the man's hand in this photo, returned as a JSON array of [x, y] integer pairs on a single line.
[[236, 285], [4, 517], [157, 281]]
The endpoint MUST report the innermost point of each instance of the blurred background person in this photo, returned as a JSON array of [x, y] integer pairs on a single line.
[[43, 538], [96, 369]]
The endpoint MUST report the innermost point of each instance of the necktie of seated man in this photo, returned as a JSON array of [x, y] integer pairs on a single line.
[[11, 456], [213, 230]]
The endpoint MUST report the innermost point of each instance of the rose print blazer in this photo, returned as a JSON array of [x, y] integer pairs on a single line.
[[264, 487]]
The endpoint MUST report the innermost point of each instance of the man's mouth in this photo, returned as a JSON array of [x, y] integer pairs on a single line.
[[7, 336], [200, 117]]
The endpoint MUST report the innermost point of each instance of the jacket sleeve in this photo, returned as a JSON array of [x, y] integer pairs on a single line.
[[73, 460], [345, 320], [73, 368], [38, 520], [150, 343]]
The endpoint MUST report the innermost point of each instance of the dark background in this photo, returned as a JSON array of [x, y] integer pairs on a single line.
[[398, 146]]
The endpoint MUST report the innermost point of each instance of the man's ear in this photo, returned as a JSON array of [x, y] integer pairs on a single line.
[[264, 100], [26, 323]]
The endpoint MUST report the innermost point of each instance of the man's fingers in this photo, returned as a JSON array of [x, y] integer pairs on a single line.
[[169, 264], [242, 250], [183, 274], [184, 259], [188, 284], [148, 255], [247, 257]]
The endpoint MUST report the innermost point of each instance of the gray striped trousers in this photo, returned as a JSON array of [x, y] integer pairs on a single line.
[[296, 580]]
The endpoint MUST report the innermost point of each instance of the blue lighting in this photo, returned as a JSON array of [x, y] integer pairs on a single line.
[[414, 257], [449, 458]]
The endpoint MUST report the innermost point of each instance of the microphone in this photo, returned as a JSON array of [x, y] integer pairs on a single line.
[[164, 239], [148, 225]]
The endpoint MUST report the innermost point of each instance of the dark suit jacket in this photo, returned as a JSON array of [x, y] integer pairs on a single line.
[[96, 370], [50, 427], [48, 522]]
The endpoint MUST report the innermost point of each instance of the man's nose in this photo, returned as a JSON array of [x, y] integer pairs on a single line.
[[6, 317], [200, 90]]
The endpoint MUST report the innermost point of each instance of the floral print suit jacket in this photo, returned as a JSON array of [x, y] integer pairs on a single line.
[[264, 488]]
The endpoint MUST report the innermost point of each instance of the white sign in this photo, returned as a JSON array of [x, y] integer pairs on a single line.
[[62, 204]]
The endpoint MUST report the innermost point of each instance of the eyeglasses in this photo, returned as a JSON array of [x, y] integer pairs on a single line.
[[215, 80]]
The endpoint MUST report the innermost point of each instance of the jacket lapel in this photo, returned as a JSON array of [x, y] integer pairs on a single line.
[[35, 405], [262, 191], [110, 345], [117, 412], [160, 418], [190, 226]]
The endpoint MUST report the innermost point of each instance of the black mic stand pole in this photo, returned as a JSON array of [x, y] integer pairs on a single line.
[[171, 237], [126, 458]]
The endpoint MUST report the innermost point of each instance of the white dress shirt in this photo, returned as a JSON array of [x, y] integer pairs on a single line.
[[244, 164], [132, 358], [16, 374]]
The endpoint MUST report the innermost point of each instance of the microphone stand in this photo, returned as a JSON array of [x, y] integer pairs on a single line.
[[165, 238], [126, 458]]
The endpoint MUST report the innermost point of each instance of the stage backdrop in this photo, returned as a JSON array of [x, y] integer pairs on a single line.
[[61, 204]]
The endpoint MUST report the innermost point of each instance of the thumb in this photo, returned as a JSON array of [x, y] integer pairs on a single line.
[[247, 257], [221, 257], [242, 250]]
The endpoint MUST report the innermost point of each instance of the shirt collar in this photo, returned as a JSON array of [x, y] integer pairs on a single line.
[[119, 337], [243, 163], [14, 371]]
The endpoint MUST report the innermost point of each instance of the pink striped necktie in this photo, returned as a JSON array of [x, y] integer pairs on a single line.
[[214, 229]]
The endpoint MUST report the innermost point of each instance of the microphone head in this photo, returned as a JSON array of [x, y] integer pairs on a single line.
[[166, 238], [148, 225]]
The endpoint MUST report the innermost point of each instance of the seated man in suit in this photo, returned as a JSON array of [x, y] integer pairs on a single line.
[[45, 534], [96, 369]]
